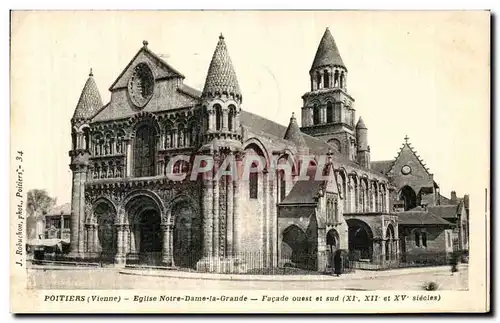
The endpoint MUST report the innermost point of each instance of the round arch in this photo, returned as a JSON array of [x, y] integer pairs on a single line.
[[408, 196], [98, 202], [295, 246], [258, 144], [360, 237]]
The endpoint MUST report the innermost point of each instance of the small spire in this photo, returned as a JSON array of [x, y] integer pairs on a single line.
[[406, 139], [221, 37], [145, 43], [90, 73], [293, 115]]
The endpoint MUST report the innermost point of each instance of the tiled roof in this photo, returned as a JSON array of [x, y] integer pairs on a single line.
[[221, 77], [419, 218], [361, 124], [60, 209], [444, 211], [303, 192], [327, 53], [381, 166], [294, 134], [90, 100], [190, 91], [316, 146]]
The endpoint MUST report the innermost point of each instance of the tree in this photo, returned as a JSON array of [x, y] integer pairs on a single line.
[[39, 202]]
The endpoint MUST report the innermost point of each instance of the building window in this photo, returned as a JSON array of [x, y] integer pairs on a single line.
[[417, 238], [67, 223], [318, 79], [424, 239], [329, 112], [254, 183], [326, 79], [144, 151], [316, 116]]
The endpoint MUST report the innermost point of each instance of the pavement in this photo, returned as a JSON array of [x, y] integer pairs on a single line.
[[179, 274]]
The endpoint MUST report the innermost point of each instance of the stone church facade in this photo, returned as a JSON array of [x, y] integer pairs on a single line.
[[125, 209]]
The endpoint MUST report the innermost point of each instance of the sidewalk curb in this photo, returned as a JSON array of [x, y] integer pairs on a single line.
[[278, 278]]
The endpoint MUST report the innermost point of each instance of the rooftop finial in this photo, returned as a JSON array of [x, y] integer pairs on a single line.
[[293, 115], [406, 139], [145, 43], [90, 73], [221, 37]]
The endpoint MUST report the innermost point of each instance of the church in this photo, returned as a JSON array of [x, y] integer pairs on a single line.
[[126, 209]]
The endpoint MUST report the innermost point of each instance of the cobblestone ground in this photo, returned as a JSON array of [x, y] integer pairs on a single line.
[[112, 279]]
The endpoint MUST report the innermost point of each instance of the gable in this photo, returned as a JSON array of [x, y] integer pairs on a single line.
[[159, 67], [418, 178]]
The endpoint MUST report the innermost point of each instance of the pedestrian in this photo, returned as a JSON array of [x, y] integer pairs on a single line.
[[454, 263], [337, 261]]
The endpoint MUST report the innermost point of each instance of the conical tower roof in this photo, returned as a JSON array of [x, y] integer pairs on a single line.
[[221, 77], [90, 100], [327, 54], [293, 133], [361, 124]]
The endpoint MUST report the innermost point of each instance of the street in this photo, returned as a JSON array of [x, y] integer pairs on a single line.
[[110, 278]]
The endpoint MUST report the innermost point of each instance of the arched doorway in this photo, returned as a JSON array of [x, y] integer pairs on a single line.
[[105, 245], [408, 196], [151, 236], [187, 239], [360, 240], [295, 246], [332, 245], [145, 243]]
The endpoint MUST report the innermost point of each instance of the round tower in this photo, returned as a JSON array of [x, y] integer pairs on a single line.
[[88, 105], [328, 70], [363, 149], [221, 100]]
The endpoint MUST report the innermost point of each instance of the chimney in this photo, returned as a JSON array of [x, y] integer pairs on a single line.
[[453, 197]]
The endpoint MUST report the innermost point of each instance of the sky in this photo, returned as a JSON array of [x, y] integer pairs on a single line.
[[421, 74]]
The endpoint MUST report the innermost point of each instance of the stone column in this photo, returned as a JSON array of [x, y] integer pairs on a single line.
[[95, 238], [128, 159], [171, 243], [215, 209], [167, 252], [84, 211], [120, 250], [229, 217], [236, 211], [207, 218], [126, 241], [86, 248]]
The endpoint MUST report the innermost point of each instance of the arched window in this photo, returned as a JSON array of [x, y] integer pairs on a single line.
[[230, 118], [326, 79], [86, 138], [318, 80], [218, 117], [144, 151], [180, 136], [417, 238], [316, 116], [254, 183], [342, 80], [336, 78], [330, 117], [424, 239]]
